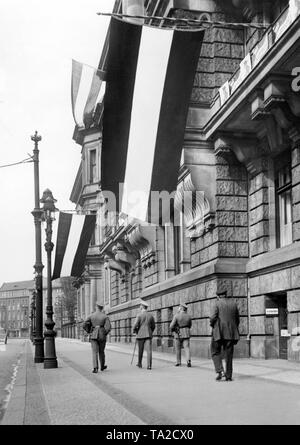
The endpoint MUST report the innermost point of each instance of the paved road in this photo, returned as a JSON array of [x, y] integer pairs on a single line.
[[167, 394], [9, 359]]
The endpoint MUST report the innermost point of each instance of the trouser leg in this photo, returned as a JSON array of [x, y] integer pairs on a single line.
[[187, 351], [141, 342], [148, 346], [228, 349], [102, 344], [178, 349], [95, 351], [216, 348]]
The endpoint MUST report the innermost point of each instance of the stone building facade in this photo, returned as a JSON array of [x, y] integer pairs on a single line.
[[16, 300], [242, 151]]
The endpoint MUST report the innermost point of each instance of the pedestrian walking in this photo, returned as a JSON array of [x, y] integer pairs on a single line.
[[181, 325], [143, 328], [225, 334], [98, 326]]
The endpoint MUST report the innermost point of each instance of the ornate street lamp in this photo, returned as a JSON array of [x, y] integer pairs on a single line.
[[37, 215], [49, 209], [32, 316]]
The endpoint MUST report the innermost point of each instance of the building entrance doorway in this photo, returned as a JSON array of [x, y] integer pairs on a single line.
[[277, 316]]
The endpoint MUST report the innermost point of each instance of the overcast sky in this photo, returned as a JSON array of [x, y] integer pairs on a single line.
[[38, 41]]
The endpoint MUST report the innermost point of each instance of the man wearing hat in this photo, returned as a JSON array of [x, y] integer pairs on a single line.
[[225, 334], [181, 325], [98, 326], [144, 326]]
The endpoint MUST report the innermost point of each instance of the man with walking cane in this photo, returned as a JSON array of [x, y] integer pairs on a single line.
[[144, 327], [181, 325]]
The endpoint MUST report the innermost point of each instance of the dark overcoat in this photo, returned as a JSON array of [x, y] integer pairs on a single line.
[[144, 325], [225, 320]]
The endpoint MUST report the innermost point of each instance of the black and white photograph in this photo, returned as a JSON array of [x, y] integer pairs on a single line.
[[150, 215]]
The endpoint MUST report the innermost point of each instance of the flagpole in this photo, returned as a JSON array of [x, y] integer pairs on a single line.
[[37, 214]]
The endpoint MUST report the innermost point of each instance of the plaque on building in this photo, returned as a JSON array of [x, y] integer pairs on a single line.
[[271, 311]]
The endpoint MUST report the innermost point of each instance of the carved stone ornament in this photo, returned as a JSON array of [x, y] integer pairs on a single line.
[[194, 206], [143, 240], [125, 255], [279, 109]]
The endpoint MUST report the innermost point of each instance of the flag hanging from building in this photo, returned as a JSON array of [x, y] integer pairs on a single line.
[[149, 80], [87, 90], [74, 234]]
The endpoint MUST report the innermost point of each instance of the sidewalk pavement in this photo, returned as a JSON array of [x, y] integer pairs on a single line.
[[70, 396]]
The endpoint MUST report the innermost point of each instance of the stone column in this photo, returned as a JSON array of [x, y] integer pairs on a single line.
[[295, 136], [169, 252], [93, 294], [79, 305], [83, 312], [87, 297], [185, 248], [259, 211]]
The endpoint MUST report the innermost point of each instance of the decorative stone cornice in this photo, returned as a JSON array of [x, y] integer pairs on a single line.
[[279, 109], [245, 149]]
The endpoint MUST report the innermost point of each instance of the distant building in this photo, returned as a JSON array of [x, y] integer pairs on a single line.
[[15, 301]]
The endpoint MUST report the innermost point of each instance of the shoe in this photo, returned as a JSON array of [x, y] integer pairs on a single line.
[[228, 379], [149, 367], [139, 365], [95, 370], [220, 376], [189, 365], [103, 367], [178, 364]]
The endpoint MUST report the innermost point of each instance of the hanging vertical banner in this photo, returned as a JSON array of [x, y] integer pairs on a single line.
[[145, 110], [86, 91], [74, 234]]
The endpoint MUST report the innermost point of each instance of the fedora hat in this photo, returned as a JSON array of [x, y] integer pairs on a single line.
[[183, 305], [99, 303], [144, 303]]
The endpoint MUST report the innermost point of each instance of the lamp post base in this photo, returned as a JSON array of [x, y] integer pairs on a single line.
[[39, 350], [50, 360], [50, 363]]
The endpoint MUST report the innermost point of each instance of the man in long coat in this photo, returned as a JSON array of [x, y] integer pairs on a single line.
[[144, 327], [225, 334], [98, 326], [181, 325]]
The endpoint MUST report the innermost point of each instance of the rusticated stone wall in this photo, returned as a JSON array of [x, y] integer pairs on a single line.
[[200, 299], [296, 190], [259, 209], [262, 328], [232, 207], [229, 238], [222, 50]]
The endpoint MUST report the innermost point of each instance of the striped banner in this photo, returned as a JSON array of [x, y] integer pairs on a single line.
[[150, 75], [74, 234], [87, 90]]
